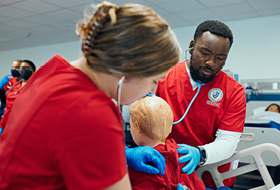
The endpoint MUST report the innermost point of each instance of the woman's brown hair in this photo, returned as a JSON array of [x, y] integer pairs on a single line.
[[131, 40]]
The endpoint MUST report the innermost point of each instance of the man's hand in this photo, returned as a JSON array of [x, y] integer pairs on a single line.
[[138, 157], [192, 157]]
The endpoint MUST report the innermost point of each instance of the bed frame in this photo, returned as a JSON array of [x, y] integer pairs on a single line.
[[255, 153]]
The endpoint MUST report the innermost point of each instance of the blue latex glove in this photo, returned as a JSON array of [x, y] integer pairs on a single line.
[[151, 95], [192, 157], [138, 157], [1, 129], [181, 187], [4, 81]]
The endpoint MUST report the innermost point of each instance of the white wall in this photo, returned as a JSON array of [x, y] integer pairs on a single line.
[[39, 55], [254, 54], [256, 48]]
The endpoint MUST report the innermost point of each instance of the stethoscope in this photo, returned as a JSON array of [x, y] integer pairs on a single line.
[[10, 90], [198, 90], [119, 93]]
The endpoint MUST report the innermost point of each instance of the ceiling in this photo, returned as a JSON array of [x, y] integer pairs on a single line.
[[30, 23]]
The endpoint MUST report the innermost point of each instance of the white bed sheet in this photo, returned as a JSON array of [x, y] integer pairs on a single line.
[[267, 115]]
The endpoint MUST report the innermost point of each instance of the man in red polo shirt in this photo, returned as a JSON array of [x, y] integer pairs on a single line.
[[209, 106]]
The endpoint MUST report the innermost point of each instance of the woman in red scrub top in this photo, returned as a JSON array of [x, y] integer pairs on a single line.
[[69, 132]]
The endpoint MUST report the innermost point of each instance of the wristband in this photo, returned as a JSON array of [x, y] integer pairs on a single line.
[[203, 155]]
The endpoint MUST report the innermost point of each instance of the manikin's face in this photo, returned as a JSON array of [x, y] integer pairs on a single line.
[[208, 56], [273, 108]]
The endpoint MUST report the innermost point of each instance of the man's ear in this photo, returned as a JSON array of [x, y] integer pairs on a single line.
[[191, 45]]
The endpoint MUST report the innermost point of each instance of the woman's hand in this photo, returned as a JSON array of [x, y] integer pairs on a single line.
[[138, 157]]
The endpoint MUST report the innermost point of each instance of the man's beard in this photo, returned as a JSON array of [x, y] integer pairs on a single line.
[[197, 77]]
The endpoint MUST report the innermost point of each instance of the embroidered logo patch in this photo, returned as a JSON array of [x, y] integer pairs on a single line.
[[215, 94]]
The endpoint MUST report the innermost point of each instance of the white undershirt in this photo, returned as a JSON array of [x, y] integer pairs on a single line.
[[222, 147], [225, 143]]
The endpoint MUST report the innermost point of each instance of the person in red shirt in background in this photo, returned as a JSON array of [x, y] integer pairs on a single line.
[[151, 121], [26, 69], [7, 82], [16, 75]]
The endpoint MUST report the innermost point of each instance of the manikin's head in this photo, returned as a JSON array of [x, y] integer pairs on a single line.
[[151, 120], [273, 108]]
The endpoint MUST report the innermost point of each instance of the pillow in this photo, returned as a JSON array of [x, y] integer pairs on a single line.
[[258, 110]]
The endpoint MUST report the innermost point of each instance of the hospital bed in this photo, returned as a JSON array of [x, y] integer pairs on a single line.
[[258, 131], [258, 163]]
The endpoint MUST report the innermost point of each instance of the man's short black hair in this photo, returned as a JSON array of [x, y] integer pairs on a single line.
[[214, 27], [30, 63]]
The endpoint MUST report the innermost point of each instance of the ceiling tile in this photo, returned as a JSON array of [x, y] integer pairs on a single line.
[[42, 20], [265, 5], [232, 9], [69, 3], [65, 14], [14, 13], [9, 2], [160, 1], [20, 35], [159, 10], [43, 30], [269, 12], [65, 25], [4, 39], [4, 19], [198, 14], [198, 21], [12, 35], [180, 6], [22, 18], [19, 24], [79, 8], [180, 24], [8, 29], [35, 6], [172, 18], [69, 35], [121, 2], [240, 16], [218, 3]]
